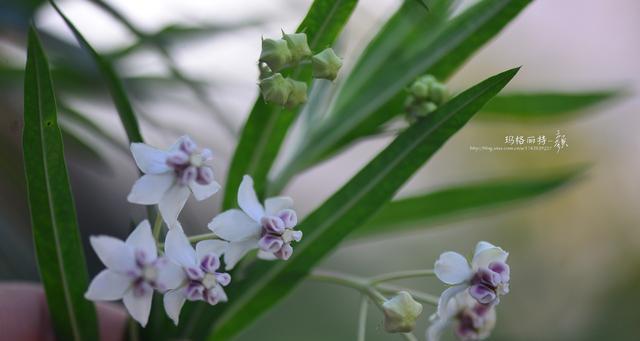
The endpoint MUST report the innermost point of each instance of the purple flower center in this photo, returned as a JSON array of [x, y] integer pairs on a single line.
[[145, 274], [471, 321], [189, 164], [204, 280], [488, 283], [278, 233]]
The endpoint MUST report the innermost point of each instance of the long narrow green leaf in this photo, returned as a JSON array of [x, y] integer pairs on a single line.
[[543, 105], [424, 210], [350, 207], [378, 94], [268, 124], [118, 94], [53, 217]]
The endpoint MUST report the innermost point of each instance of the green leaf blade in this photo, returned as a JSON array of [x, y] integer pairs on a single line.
[[55, 230], [374, 97], [268, 124], [543, 105], [404, 214], [351, 206], [116, 88]]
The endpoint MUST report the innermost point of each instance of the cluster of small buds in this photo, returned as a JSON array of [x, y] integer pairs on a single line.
[[426, 94], [290, 51]]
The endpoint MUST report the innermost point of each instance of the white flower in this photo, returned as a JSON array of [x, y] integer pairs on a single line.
[[269, 228], [486, 277], [133, 272], [169, 177], [475, 321], [203, 282], [401, 313]]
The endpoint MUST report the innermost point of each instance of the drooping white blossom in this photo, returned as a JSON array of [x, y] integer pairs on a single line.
[[200, 266], [269, 228], [133, 271], [485, 278], [170, 176], [472, 320]]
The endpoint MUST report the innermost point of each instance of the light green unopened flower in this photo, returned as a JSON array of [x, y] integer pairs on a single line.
[[401, 313], [275, 53], [297, 43], [326, 64], [298, 93], [276, 89], [428, 88]]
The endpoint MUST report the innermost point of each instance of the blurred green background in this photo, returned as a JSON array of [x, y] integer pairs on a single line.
[[575, 253]]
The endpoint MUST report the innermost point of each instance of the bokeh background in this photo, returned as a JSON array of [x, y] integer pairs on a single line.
[[575, 253]]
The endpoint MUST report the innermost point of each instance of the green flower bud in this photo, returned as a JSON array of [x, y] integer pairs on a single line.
[[437, 93], [401, 313], [297, 43], [298, 93], [275, 89], [421, 87], [275, 53], [326, 64]]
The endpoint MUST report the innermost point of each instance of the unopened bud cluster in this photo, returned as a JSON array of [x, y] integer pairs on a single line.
[[290, 51], [426, 94]]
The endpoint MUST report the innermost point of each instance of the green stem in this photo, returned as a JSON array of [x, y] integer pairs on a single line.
[[362, 319], [417, 295], [349, 281], [157, 227], [401, 275], [197, 238]]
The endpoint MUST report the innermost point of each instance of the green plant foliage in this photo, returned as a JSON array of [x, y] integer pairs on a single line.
[[268, 124], [454, 202], [543, 105], [351, 206], [53, 217], [408, 46], [118, 93]]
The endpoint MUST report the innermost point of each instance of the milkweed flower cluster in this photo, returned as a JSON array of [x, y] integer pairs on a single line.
[[134, 270], [475, 291]]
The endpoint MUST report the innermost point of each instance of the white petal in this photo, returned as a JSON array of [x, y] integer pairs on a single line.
[[234, 225], [178, 248], [114, 253], [266, 255], [150, 188], [276, 204], [248, 200], [150, 160], [171, 275], [138, 306], [201, 192], [204, 247], [172, 203], [237, 250], [142, 239], [173, 302], [446, 308], [452, 268], [221, 294], [486, 253], [437, 327], [108, 285]]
